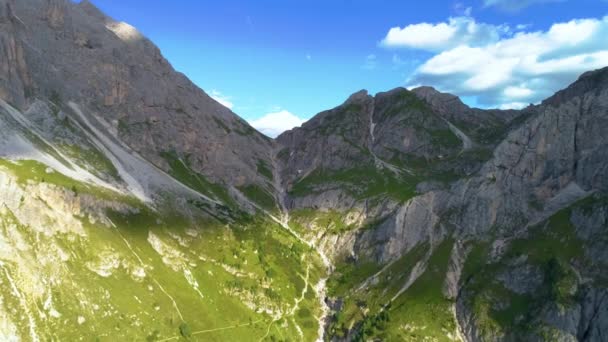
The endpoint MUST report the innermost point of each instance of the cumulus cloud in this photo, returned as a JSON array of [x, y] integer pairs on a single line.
[[441, 36], [273, 124], [222, 99], [515, 68], [515, 5]]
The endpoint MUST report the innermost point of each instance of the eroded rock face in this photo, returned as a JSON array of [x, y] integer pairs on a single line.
[[330, 141], [541, 168], [15, 82], [541, 163], [60, 45]]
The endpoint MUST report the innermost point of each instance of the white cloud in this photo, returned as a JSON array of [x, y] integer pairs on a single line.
[[513, 105], [441, 36], [515, 5], [273, 124], [517, 68], [516, 92], [222, 99]]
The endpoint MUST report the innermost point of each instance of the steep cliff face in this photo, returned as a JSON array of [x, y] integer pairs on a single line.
[[503, 248], [486, 239], [370, 156], [542, 210], [358, 163], [61, 51]]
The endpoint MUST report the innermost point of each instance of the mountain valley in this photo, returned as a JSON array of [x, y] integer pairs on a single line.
[[133, 206]]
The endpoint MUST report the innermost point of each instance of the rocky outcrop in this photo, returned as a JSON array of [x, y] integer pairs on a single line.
[[542, 162], [16, 82], [485, 126], [51, 49], [548, 164]]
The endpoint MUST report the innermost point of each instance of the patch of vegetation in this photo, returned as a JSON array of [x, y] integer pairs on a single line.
[[91, 159], [182, 171], [551, 247], [408, 101], [477, 259], [123, 126], [283, 154], [245, 130], [259, 196], [350, 275], [480, 154], [184, 330], [419, 313], [373, 325], [334, 121], [555, 237], [434, 169], [264, 169], [361, 183], [446, 169], [560, 280], [423, 307], [45, 147], [588, 204], [364, 297], [444, 137], [33, 171], [222, 125], [494, 132], [330, 221], [56, 102]]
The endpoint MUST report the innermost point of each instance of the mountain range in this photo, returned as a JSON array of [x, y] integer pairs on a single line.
[[133, 206]]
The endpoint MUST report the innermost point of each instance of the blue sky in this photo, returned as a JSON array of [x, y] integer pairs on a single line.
[[294, 58]]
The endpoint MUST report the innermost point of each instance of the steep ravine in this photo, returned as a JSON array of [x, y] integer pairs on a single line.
[[320, 287]]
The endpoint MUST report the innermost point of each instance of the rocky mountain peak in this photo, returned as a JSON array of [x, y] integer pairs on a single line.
[[359, 96], [442, 102], [433, 96], [595, 81]]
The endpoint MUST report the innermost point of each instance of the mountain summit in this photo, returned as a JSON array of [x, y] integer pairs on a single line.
[[134, 206]]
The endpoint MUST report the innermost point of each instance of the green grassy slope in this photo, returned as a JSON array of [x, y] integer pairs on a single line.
[[147, 275]]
